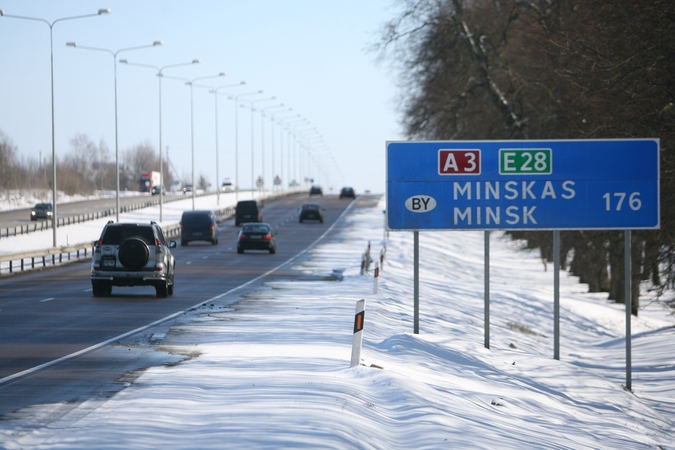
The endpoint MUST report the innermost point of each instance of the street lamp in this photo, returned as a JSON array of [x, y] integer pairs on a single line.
[[192, 123], [253, 184], [51, 50], [262, 134], [281, 149], [292, 167], [117, 162], [160, 74], [215, 91], [236, 138]]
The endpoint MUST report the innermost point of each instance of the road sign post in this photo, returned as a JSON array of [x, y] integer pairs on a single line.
[[523, 185]]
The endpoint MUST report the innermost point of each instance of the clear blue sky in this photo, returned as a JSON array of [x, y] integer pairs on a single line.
[[310, 54]]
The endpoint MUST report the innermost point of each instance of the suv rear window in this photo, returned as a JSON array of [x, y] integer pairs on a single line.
[[196, 218], [247, 206], [115, 235]]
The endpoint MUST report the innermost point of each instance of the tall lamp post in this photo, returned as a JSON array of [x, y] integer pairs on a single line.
[[160, 74], [51, 51], [215, 92], [191, 82], [281, 149], [253, 184], [117, 151], [262, 137], [236, 137]]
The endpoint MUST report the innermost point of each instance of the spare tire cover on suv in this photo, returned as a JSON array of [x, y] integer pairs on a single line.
[[134, 254]]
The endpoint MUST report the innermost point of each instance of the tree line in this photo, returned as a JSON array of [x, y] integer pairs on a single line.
[[548, 69], [87, 167]]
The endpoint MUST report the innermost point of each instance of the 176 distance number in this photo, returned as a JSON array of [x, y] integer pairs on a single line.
[[634, 201]]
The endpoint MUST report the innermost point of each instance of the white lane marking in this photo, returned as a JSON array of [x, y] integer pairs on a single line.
[[47, 299], [174, 315]]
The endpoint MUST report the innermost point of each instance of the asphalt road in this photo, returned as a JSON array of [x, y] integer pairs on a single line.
[[52, 314], [21, 217]]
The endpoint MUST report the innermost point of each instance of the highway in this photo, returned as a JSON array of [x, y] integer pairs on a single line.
[[19, 217], [52, 314]]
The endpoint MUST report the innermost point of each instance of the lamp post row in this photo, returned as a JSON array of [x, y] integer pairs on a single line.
[[51, 51], [160, 75]]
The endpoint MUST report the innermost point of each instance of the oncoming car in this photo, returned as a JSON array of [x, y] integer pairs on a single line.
[[41, 211], [311, 211], [256, 236], [132, 254]]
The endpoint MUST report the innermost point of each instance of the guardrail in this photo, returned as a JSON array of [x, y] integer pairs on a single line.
[[70, 220], [38, 259]]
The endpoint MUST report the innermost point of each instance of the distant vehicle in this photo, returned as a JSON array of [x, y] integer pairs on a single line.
[[256, 236], [247, 211], [155, 190], [311, 211], [347, 192], [315, 190], [147, 180], [198, 225], [187, 188], [132, 254], [227, 185], [41, 211]]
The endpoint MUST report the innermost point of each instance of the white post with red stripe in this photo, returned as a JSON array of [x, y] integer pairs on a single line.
[[376, 277], [359, 319]]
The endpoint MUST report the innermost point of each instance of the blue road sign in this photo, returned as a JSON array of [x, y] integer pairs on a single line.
[[523, 185]]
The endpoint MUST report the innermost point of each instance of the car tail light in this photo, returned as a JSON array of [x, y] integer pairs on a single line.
[[212, 227], [159, 267], [268, 237], [242, 236]]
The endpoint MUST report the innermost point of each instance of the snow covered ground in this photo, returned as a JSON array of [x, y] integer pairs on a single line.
[[271, 369]]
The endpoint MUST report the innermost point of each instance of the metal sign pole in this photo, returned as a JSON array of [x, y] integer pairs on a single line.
[[416, 282], [487, 288], [629, 305], [556, 294]]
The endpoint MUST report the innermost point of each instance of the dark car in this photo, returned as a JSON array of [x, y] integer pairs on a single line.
[[256, 236], [132, 254], [199, 225], [311, 211], [155, 190], [41, 211], [315, 190], [247, 211], [187, 188], [347, 192]]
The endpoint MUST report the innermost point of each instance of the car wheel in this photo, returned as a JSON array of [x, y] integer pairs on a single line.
[[134, 254], [300, 220], [214, 241], [240, 250], [170, 289], [162, 290], [273, 250], [183, 243]]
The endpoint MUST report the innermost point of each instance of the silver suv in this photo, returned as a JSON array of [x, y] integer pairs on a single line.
[[132, 254]]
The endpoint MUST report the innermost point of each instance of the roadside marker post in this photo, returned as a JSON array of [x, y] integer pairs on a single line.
[[357, 341], [376, 277]]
